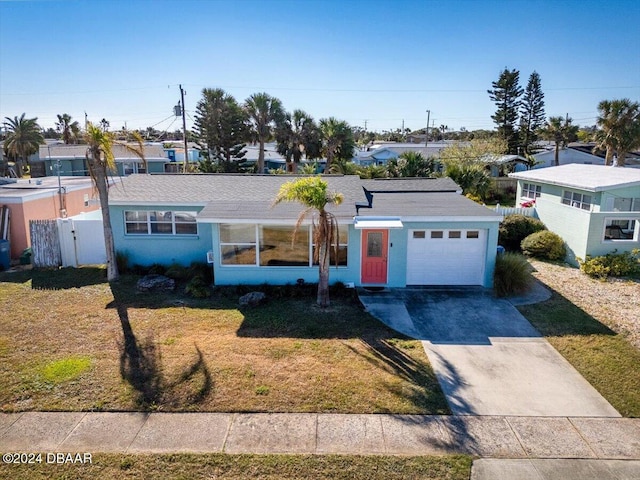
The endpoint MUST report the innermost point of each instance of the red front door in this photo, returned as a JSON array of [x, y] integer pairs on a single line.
[[374, 256]]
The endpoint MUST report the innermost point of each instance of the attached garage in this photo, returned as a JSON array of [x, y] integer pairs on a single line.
[[446, 257]]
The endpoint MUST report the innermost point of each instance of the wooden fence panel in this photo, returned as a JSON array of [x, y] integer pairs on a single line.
[[45, 243]]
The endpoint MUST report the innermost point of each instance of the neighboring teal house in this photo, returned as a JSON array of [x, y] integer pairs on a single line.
[[72, 161], [393, 232], [594, 208]]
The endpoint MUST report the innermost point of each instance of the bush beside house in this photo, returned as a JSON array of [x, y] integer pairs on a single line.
[[515, 228], [544, 244]]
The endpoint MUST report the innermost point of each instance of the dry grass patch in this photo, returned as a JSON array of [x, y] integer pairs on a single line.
[[266, 467], [173, 353]]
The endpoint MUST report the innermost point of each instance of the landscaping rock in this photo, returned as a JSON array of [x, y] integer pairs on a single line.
[[156, 283], [252, 299]]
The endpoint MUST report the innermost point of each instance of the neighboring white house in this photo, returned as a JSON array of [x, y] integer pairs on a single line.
[[594, 208], [577, 153]]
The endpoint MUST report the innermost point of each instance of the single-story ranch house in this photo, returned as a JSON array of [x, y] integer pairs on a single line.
[[594, 208], [392, 232]]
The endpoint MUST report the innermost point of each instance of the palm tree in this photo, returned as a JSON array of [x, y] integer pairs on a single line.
[[100, 160], [337, 140], [70, 130], [298, 135], [265, 112], [411, 164], [619, 122], [562, 132], [24, 137], [313, 194]]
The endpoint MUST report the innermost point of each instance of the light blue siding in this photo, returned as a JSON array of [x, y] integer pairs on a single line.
[[164, 249]]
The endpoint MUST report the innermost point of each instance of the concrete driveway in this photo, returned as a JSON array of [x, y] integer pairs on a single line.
[[488, 358]]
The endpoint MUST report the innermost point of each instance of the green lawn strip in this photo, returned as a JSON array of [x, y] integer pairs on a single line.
[[605, 359], [223, 466]]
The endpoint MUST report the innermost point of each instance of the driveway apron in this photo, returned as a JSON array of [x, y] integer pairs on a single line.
[[488, 358]]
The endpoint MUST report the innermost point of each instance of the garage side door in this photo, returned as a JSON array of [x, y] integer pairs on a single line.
[[446, 257]]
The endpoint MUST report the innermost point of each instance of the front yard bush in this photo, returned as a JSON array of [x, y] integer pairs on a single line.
[[512, 275], [515, 228], [612, 264], [544, 244]]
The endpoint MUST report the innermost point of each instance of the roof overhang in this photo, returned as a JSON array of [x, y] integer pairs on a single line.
[[377, 222]]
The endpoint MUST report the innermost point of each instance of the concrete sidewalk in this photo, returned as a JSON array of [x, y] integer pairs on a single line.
[[495, 437]]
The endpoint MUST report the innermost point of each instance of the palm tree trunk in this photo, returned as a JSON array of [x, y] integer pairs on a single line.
[[261, 157], [557, 155], [103, 195], [323, 277], [608, 157], [621, 158], [324, 260]]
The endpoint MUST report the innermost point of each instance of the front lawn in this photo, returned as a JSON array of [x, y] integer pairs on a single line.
[[68, 341], [224, 466]]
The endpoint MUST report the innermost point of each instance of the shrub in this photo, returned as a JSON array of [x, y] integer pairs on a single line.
[[177, 272], [157, 269], [612, 264], [512, 274], [198, 287], [515, 228], [544, 244], [122, 261], [201, 269]]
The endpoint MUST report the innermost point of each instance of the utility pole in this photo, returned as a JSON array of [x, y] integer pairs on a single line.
[[403, 139], [426, 133], [184, 130], [365, 125]]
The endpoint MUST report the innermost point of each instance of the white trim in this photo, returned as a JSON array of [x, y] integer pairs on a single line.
[[492, 219], [372, 223]]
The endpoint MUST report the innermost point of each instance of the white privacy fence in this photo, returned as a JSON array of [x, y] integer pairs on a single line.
[[82, 240]]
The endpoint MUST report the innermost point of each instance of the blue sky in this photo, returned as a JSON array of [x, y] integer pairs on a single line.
[[380, 61]]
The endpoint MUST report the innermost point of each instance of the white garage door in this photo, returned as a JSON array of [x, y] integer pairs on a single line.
[[446, 257]]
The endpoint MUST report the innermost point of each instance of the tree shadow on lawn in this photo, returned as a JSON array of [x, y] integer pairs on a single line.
[[141, 367], [559, 317], [57, 279]]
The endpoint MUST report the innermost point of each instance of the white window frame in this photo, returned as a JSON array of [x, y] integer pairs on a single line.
[[577, 202], [256, 245], [636, 229], [529, 188], [149, 223]]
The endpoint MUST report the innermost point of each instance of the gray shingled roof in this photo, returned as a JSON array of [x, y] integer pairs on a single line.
[[443, 184], [421, 204], [249, 197]]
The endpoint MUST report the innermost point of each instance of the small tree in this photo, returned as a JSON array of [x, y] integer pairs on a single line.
[[23, 139], [562, 132], [100, 160], [312, 193]]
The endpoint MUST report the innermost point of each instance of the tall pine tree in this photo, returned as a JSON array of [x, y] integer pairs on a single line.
[[532, 116], [221, 127], [506, 95]]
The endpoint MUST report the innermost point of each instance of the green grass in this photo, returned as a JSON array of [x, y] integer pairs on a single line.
[[264, 467], [65, 369], [605, 359]]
